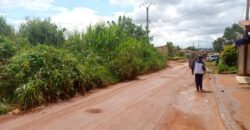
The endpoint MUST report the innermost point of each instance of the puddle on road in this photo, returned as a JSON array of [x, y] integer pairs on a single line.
[[177, 120], [93, 110]]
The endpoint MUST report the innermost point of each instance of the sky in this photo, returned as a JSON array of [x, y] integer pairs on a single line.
[[184, 22]]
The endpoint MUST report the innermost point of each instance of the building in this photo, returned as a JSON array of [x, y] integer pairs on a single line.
[[243, 74], [162, 49]]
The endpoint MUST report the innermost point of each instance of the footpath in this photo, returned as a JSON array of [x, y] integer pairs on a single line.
[[232, 100]]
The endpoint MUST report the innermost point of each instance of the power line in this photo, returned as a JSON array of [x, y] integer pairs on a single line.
[[155, 28], [197, 11]]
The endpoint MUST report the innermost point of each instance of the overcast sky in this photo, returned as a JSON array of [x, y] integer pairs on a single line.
[[184, 22]]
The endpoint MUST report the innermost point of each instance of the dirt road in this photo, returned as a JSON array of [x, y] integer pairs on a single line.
[[163, 100]]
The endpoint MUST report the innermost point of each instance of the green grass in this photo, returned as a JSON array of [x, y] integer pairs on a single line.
[[4, 108], [220, 68], [211, 67], [225, 69], [176, 58]]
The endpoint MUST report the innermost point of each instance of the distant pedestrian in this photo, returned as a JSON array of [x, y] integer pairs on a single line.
[[199, 70], [217, 60], [190, 62]]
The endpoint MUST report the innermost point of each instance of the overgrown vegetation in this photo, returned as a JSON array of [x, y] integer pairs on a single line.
[[39, 66], [4, 108], [229, 54], [228, 61], [174, 52]]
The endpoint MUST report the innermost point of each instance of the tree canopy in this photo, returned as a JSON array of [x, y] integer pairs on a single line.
[[5, 29], [228, 38], [41, 32]]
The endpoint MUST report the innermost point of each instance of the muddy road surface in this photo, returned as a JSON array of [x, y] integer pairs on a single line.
[[166, 100]]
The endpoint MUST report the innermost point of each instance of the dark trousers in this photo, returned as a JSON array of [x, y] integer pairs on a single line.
[[198, 81]]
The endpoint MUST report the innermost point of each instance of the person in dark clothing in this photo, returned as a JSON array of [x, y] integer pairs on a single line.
[[217, 60], [190, 62], [199, 70]]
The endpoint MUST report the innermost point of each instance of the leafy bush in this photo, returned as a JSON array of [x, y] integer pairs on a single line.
[[4, 108], [229, 55], [94, 74], [42, 32], [233, 69], [104, 54], [152, 59], [128, 60], [222, 68], [47, 69], [7, 48], [46, 74], [5, 29], [229, 60], [30, 95]]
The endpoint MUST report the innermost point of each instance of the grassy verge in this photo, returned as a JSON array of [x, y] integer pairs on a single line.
[[177, 58], [211, 67], [225, 69], [221, 68], [4, 108]]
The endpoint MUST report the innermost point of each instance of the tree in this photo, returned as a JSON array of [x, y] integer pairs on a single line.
[[41, 32], [230, 33], [104, 38], [192, 48], [130, 29], [7, 49], [229, 55], [5, 29], [218, 44], [171, 49]]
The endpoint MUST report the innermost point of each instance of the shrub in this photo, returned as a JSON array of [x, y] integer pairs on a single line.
[[152, 60], [4, 108], [105, 54], [7, 48], [5, 29], [40, 73], [232, 69], [229, 55], [46, 74], [128, 60], [30, 95], [94, 74], [222, 68], [42, 32]]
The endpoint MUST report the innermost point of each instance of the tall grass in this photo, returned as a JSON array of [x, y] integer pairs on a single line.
[[105, 54]]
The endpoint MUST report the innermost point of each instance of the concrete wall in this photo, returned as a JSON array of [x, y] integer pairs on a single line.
[[241, 60], [248, 60]]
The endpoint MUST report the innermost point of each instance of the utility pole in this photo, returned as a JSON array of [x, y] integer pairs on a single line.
[[147, 5], [247, 9], [147, 19]]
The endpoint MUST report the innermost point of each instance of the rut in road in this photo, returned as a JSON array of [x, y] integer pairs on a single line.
[[151, 102]]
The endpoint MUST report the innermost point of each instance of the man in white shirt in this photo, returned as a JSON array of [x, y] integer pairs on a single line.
[[199, 70]]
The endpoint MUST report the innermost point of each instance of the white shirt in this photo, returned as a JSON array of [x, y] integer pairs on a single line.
[[198, 68]]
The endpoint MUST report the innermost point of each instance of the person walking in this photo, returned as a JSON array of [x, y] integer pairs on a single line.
[[199, 70]]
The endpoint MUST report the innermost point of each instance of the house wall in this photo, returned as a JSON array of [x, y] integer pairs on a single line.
[[241, 60], [248, 60]]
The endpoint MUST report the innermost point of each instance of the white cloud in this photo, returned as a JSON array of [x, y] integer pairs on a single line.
[[28, 4], [183, 22], [78, 18], [187, 21], [124, 3], [2, 14]]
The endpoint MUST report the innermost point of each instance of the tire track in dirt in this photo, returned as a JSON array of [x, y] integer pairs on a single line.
[[146, 103]]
